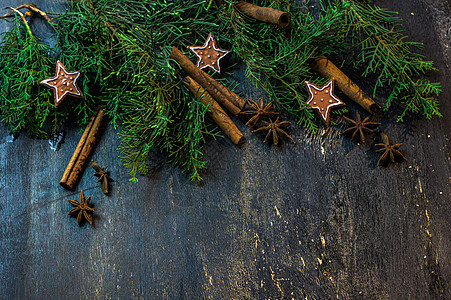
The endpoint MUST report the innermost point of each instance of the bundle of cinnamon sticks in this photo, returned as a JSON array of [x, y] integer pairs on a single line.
[[85, 146], [212, 93]]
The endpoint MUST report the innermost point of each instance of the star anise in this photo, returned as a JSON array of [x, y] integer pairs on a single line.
[[391, 152], [274, 129], [103, 176], [258, 111], [82, 208], [359, 126]]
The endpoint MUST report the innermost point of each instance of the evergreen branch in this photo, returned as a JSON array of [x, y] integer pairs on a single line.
[[24, 103], [140, 87], [384, 51], [122, 48], [278, 60]]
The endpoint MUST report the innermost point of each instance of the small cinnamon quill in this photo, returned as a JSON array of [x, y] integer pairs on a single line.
[[327, 69], [216, 112], [84, 148], [264, 14]]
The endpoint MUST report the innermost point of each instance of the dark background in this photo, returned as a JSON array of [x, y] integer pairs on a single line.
[[314, 220]]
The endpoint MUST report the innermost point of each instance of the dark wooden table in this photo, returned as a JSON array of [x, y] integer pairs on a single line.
[[317, 220]]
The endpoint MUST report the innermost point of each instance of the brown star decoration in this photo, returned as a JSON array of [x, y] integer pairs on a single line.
[[82, 209], [275, 129], [103, 176], [323, 99], [64, 83], [208, 55], [391, 152], [359, 126], [257, 111]]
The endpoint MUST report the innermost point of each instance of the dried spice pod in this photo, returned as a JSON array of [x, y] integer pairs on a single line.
[[82, 209], [327, 69], [216, 112], [391, 153], [264, 14], [258, 111], [103, 176], [359, 126], [275, 129]]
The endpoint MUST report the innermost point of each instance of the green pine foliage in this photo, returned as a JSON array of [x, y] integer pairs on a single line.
[[139, 86], [85, 46], [381, 48], [277, 59], [24, 104], [123, 46]]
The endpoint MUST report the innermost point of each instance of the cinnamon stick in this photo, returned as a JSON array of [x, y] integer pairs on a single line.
[[231, 101], [216, 112], [265, 14], [327, 69], [84, 148]]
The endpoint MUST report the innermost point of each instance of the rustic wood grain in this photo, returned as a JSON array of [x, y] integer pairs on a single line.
[[315, 220]]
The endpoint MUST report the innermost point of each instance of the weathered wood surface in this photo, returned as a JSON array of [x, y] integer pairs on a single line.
[[317, 220]]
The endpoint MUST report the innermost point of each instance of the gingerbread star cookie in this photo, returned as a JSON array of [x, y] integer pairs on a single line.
[[323, 99], [208, 55], [64, 83]]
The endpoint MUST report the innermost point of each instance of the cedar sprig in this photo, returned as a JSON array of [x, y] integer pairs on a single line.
[[380, 46], [85, 44], [277, 60], [24, 104], [122, 47], [139, 85]]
